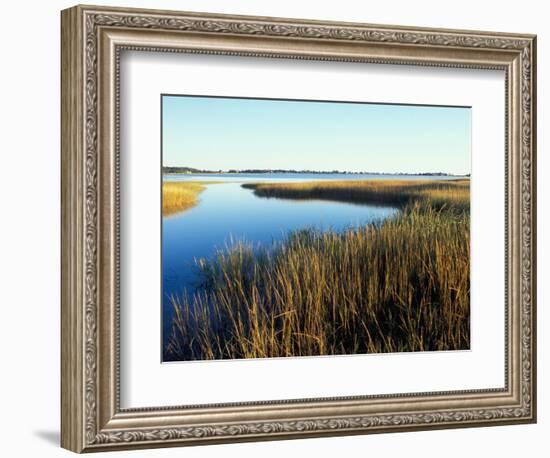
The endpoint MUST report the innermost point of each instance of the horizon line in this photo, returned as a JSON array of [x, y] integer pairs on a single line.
[[276, 169]]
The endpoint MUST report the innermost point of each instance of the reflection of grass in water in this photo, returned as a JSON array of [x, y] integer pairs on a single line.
[[402, 285], [178, 196]]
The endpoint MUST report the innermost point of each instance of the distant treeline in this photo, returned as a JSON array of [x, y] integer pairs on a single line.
[[316, 172], [184, 170]]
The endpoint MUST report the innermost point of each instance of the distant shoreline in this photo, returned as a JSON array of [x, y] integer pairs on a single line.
[[192, 171]]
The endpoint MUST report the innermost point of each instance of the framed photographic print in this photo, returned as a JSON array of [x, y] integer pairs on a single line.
[[279, 228]]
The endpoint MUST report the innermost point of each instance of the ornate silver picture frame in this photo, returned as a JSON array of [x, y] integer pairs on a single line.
[[93, 39]]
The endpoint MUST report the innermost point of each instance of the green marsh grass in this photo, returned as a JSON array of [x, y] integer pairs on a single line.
[[400, 285]]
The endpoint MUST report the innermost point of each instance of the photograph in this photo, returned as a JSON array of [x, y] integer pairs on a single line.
[[287, 226], [295, 228]]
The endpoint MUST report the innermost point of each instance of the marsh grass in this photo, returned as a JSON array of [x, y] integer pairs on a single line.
[[178, 196], [400, 285], [382, 192]]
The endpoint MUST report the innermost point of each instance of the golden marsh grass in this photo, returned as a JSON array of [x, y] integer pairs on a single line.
[[383, 192], [401, 285], [178, 196]]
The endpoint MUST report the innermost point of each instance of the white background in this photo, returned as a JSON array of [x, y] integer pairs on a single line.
[[145, 76], [29, 242]]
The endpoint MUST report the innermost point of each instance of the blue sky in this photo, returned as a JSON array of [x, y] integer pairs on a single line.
[[234, 133]]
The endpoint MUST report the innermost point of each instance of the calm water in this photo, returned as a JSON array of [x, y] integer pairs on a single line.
[[226, 212]]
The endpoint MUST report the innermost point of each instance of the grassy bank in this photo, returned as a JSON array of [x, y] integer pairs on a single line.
[[438, 193], [178, 196], [402, 285]]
